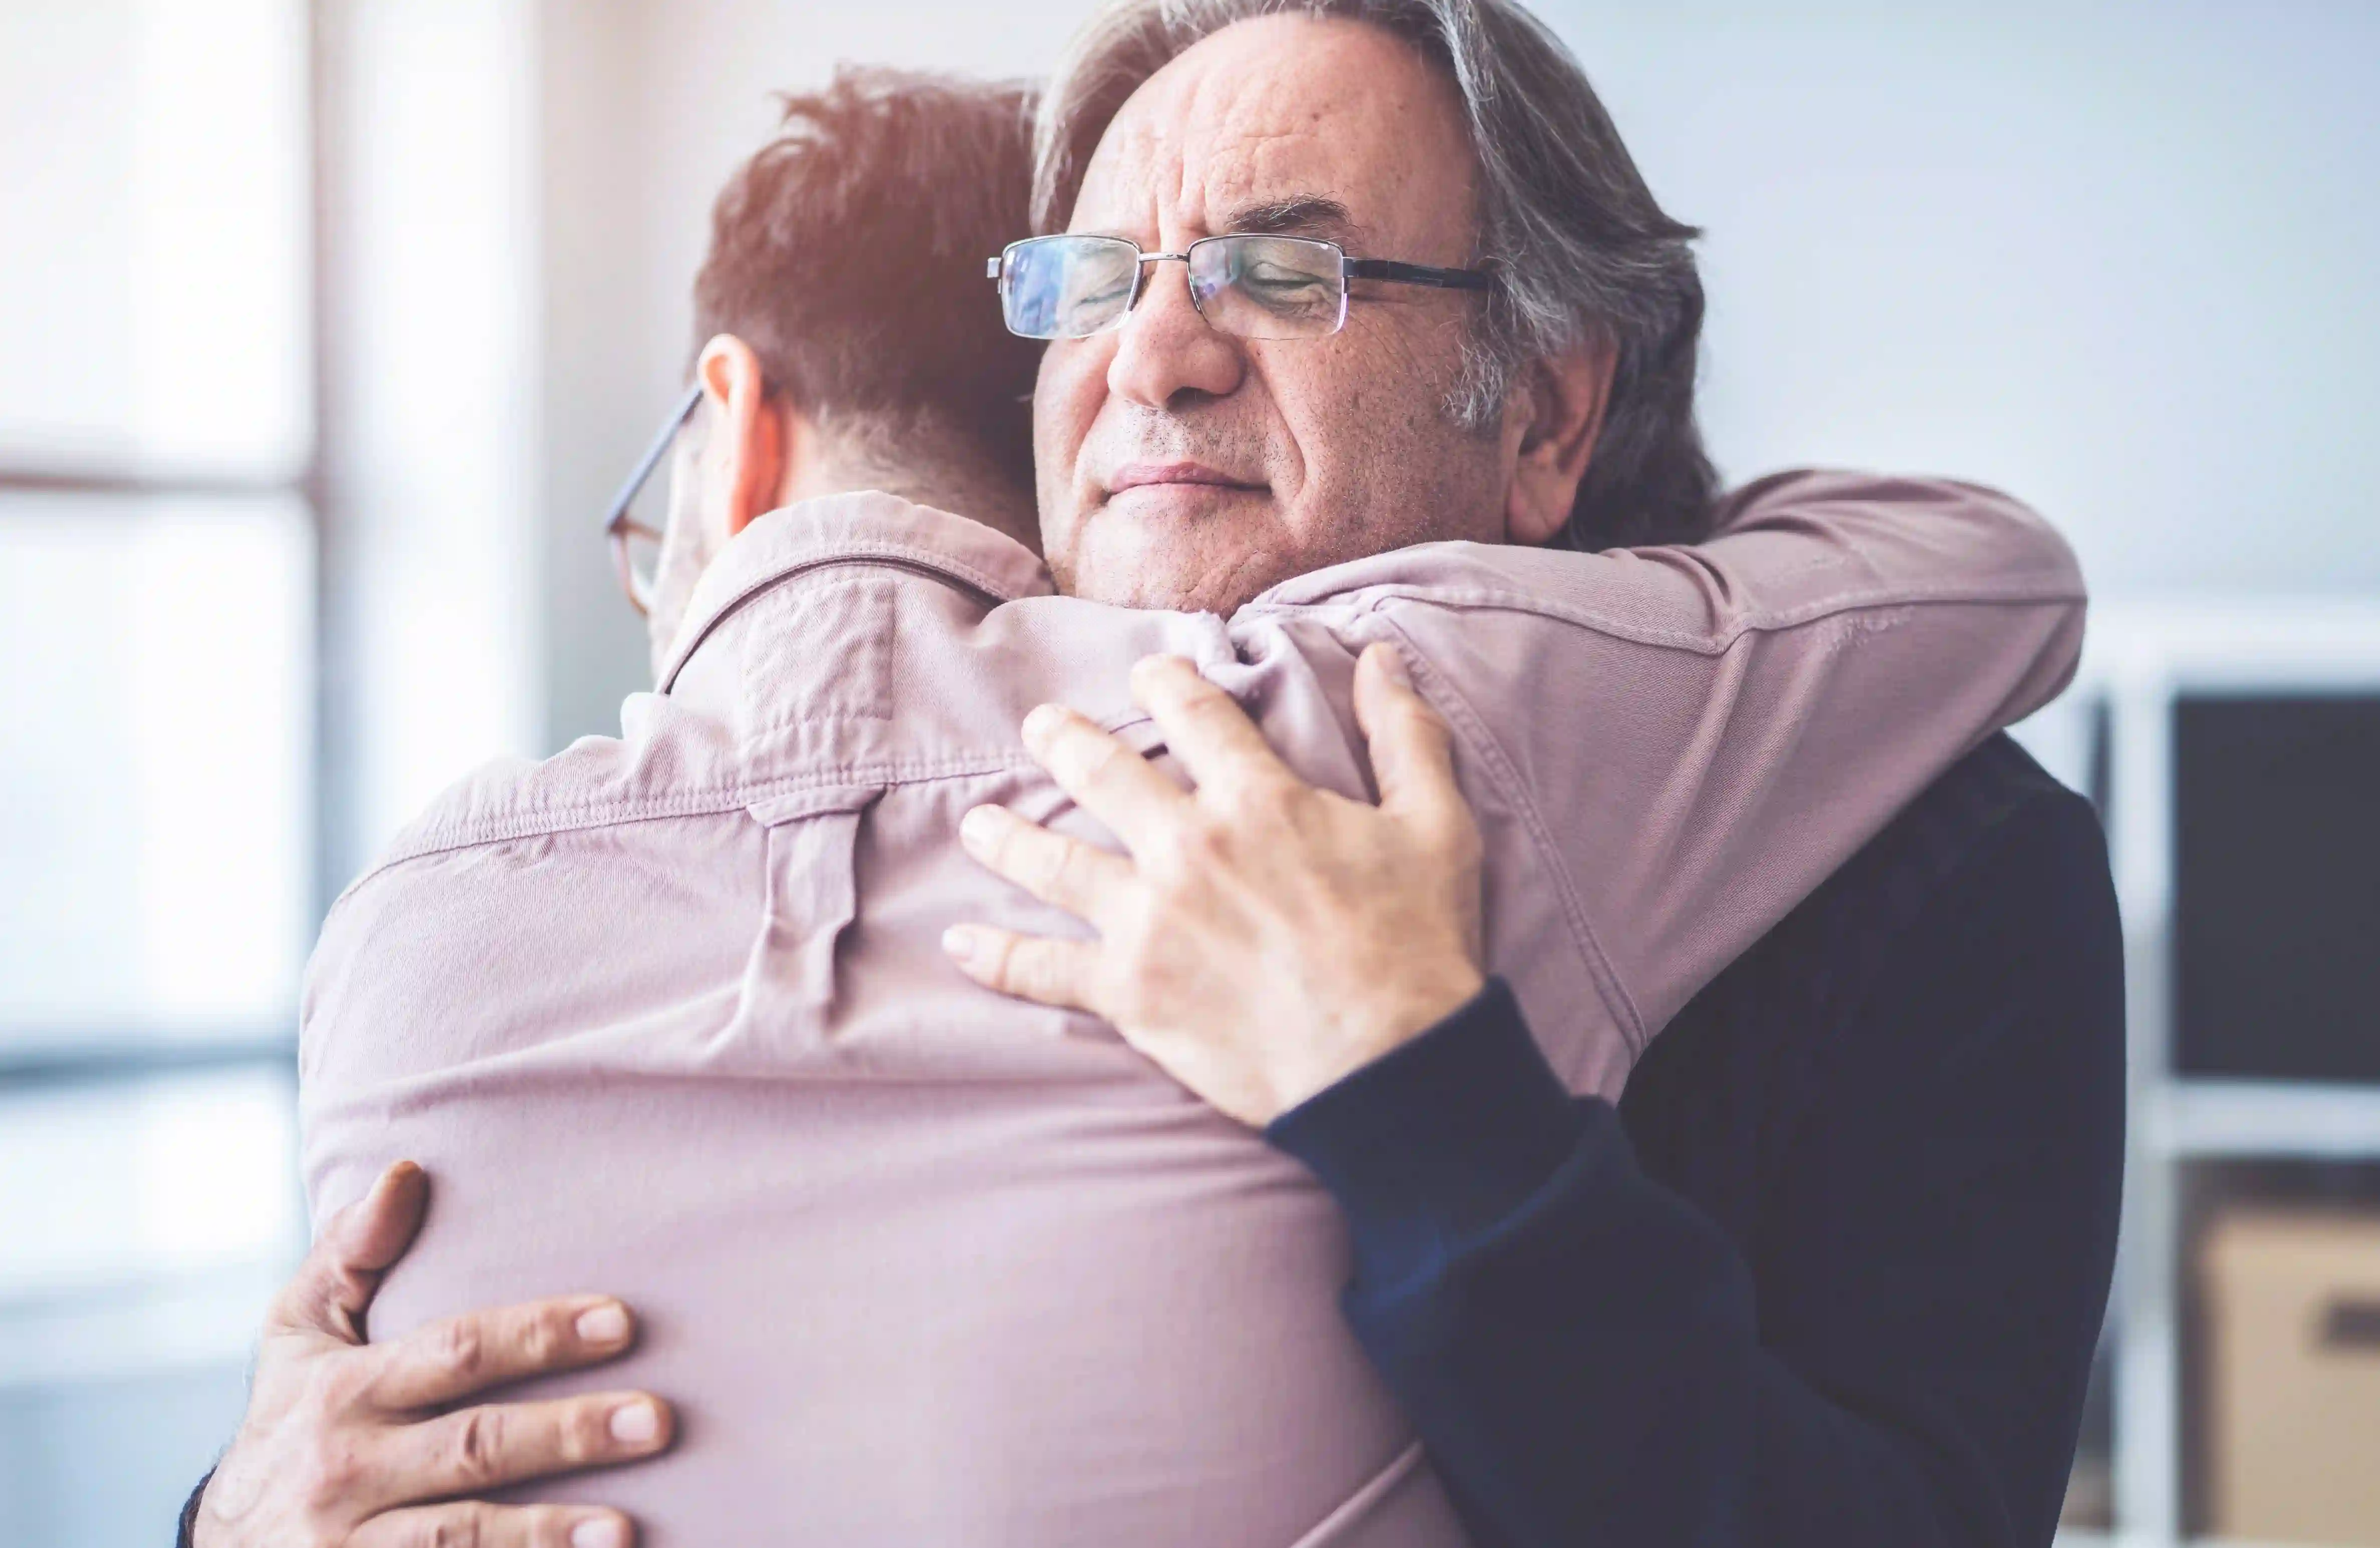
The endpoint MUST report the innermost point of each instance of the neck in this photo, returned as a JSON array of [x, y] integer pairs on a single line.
[[918, 465]]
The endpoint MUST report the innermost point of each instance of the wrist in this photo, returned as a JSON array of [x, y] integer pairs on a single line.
[[1458, 1125], [1368, 1032]]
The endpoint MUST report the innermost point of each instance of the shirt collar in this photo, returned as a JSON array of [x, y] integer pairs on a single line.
[[856, 527]]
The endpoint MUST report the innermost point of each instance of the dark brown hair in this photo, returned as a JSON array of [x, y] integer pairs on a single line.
[[849, 253]]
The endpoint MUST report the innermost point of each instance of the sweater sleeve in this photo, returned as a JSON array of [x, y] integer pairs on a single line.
[[1590, 1358]]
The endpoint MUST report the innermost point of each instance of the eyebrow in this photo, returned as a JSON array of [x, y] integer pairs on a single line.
[[1297, 215]]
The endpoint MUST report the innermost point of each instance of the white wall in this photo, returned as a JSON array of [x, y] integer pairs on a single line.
[[2117, 259]]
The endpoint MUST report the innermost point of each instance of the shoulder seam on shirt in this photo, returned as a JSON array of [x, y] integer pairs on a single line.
[[1473, 728], [1716, 642]]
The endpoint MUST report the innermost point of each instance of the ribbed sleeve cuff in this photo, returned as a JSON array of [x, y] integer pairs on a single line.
[[187, 1530], [1451, 1133]]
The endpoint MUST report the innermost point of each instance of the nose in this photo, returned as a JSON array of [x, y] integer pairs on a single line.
[[1168, 350]]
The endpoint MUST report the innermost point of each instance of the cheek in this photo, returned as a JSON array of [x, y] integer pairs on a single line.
[[1067, 395], [1374, 446]]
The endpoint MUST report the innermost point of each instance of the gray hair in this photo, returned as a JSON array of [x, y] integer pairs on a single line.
[[1584, 253]]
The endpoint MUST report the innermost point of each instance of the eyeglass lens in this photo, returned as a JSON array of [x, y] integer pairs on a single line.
[[1255, 287], [1068, 287], [1269, 287]]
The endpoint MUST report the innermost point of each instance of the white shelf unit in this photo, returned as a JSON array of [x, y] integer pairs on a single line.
[[2138, 660]]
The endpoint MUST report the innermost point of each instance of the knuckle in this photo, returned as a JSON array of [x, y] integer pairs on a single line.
[[1033, 971], [1201, 843], [465, 1526], [542, 1339], [1000, 963], [545, 1526], [331, 1386], [477, 1450], [584, 1433], [1196, 696], [460, 1348], [1070, 869], [1100, 758], [1268, 797], [327, 1469], [1418, 710]]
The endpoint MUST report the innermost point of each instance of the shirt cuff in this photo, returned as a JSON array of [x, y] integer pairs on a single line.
[[1445, 1135]]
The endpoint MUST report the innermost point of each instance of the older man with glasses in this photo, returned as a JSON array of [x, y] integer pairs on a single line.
[[663, 1015]]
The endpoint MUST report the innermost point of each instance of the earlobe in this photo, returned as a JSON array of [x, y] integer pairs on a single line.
[[1564, 409]]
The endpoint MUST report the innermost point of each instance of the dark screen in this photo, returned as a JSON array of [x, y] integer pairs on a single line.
[[2277, 887]]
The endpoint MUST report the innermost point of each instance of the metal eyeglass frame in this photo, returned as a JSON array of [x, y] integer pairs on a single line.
[[1349, 269], [619, 526]]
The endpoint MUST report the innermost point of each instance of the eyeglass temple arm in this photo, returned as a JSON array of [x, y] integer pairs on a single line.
[[616, 521], [1415, 273]]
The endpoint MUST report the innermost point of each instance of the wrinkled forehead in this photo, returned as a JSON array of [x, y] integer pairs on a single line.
[[1269, 112]]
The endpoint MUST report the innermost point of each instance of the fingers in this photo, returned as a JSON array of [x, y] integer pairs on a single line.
[[1211, 735], [1413, 752], [1079, 878], [454, 1357], [1057, 973], [475, 1450], [494, 1526], [1104, 776], [335, 1285]]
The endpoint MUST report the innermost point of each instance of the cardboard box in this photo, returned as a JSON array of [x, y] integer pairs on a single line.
[[2293, 1377]]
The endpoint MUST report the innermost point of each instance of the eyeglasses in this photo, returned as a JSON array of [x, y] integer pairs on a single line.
[[634, 546], [1249, 285]]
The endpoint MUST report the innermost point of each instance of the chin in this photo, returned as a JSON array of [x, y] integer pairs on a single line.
[[1147, 569]]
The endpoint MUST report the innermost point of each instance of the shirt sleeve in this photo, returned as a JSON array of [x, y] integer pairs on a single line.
[[1590, 1358], [1691, 738]]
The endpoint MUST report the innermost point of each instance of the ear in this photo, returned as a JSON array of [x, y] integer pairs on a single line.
[[1562, 410], [745, 451]]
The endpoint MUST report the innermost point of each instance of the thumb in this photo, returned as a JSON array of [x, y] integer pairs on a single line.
[[1413, 752], [335, 1286]]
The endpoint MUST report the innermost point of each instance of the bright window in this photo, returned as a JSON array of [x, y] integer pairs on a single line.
[[157, 806]]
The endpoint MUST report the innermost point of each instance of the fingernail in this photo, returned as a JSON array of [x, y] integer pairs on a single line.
[[1392, 666], [1044, 720], [600, 1531], [959, 941], [635, 1424], [977, 826], [603, 1325]]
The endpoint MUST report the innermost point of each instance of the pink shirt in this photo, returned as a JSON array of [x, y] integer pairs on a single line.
[[667, 1016]]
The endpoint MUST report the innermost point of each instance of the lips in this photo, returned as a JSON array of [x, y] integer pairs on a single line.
[[1145, 474]]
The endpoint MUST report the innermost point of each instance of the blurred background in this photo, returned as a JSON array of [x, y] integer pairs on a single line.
[[327, 329]]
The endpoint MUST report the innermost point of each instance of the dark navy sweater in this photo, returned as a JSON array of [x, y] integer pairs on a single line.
[[1832, 1271]]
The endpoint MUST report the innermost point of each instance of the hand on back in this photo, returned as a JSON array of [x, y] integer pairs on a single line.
[[358, 1444], [1263, 938]]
